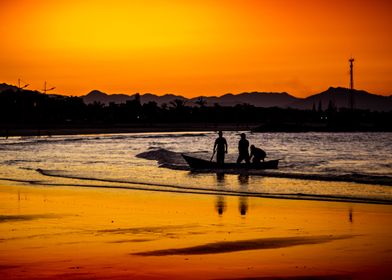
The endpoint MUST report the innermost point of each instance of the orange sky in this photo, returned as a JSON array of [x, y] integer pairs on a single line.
[[196, 47]]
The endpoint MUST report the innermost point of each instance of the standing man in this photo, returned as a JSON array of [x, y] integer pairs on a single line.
[[220, 148], [243, 149]]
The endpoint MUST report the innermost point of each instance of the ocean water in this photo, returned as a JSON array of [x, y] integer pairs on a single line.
[[328, 166]]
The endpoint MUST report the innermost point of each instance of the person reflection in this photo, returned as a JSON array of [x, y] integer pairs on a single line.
[[350, 215], [220, 204], [243, 180]]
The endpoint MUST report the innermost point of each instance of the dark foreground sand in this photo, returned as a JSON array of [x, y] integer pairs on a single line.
[[88, 233]]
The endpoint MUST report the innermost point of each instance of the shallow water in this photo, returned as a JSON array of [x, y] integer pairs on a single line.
[[343, 166]]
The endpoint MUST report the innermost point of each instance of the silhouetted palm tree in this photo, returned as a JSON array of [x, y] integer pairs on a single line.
[[201, 102], [178, 104]]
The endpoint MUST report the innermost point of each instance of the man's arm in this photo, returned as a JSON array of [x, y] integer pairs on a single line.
[[225, 146]]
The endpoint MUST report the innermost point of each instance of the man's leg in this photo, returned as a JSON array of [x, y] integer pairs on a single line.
[[220, 158]]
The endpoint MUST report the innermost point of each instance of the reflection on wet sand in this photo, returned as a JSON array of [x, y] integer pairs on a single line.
[[350, 215], [220, 203], [243, 180]]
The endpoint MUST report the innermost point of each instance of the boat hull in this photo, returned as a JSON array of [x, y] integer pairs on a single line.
[[197, 163]]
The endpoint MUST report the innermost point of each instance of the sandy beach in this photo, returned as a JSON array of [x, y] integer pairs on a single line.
[[87, 233]]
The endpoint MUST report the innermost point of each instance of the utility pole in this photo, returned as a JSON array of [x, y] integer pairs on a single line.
[[39, 107], [25, 85], [45, 90], [351, 97]]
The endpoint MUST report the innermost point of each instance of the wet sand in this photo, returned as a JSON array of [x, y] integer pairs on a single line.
[[89, 233]]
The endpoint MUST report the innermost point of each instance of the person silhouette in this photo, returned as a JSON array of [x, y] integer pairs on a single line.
[[220, 147], [243, 149], [257, 154]]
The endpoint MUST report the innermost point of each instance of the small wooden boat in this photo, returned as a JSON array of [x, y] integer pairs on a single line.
[[197, 163]]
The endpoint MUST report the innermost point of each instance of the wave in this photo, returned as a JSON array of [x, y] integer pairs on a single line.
[[56, 173], [32, 140], [46, 140], [297, 196], [20, 180], [174, 160], [159, 187], [350, 177], [170, 135], [17, 161], [165, 158]]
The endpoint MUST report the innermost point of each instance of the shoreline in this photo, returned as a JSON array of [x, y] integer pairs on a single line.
[[199, 191]]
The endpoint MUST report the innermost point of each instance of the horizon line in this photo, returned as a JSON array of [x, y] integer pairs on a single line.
[[198, 96]]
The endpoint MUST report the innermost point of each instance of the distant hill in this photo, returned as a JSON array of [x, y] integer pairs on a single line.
[[98, 96], [4, 87], [167, 98], [339, 97], [258, 99]]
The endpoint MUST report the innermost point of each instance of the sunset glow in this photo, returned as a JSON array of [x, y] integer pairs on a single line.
[[196, 47]]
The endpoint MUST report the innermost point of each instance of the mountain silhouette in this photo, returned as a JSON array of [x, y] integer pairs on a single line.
[[335, 96], [101, 97], [4, 87], [257, 99], [167, 98], [339, 98]]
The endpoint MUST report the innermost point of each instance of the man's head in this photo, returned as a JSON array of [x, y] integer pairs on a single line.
[[243, 136], [220, 133], [252, 147]]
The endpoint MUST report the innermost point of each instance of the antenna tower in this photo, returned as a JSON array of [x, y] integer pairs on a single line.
[[351, 99]]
